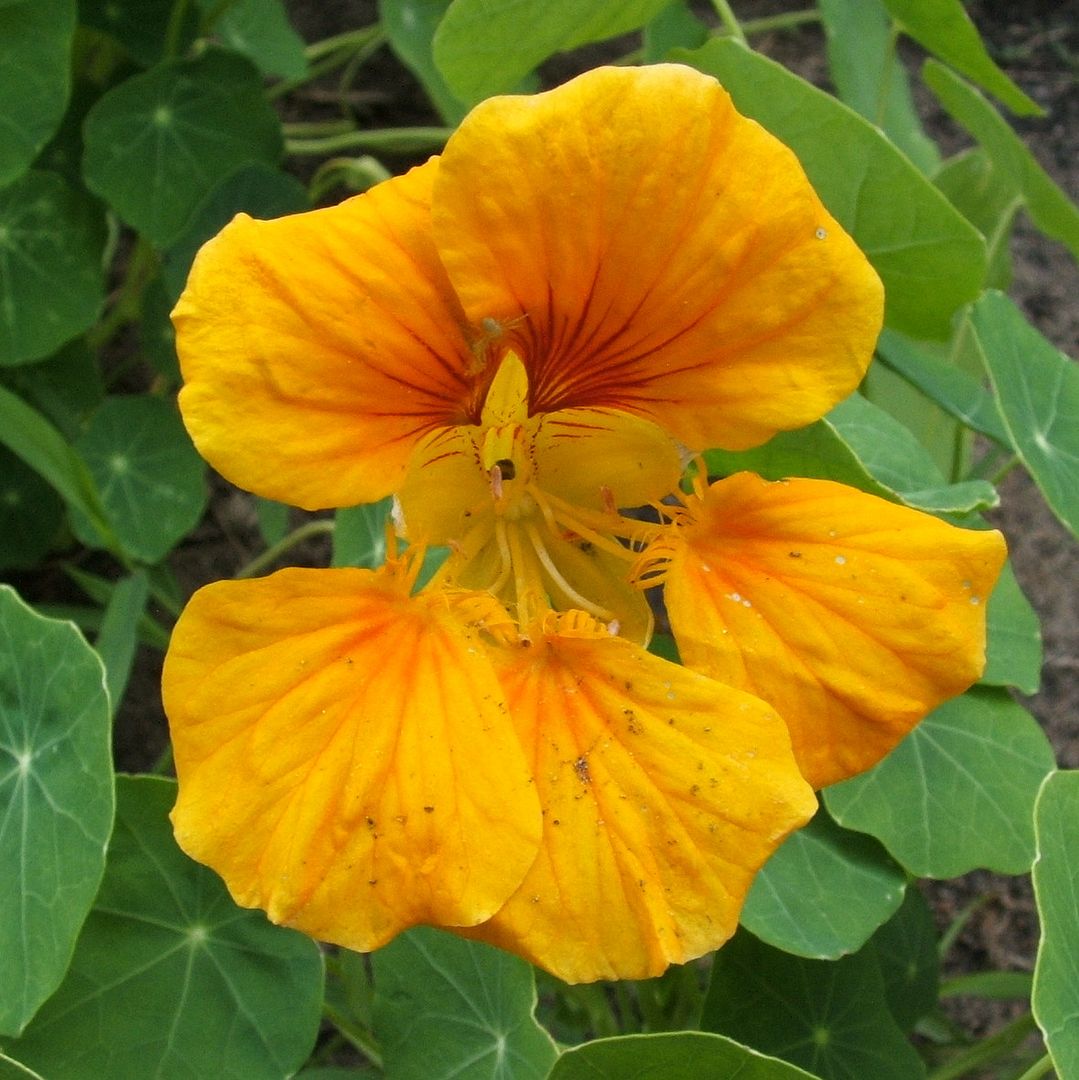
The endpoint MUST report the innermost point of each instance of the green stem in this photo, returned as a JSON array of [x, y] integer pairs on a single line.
[[407, 140], [361, 1039], [1042, 1067], [729, 20], [789, 20], [884, 84], [175, 28], [210, 21], [955, 928], [995, 1048], [317, 128], [363, 42], [350, 40], [1003, 471], [320, 527], [163, 765]]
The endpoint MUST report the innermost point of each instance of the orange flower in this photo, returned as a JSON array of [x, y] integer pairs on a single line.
[[518, 339]]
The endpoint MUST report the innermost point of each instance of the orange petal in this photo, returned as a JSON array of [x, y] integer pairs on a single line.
[[344, 756], [650, 249], [854, 617], [317, 348], [663, 793]]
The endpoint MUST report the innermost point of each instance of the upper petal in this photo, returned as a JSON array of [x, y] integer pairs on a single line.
[[647, 248], [663, 792], [344, 756], [851, 615], [316, 349]]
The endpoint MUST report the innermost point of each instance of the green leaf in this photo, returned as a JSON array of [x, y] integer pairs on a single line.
[[958, 393], [830, 1017], [158, 143], [906, 948], [824, 892], [1056, 890], [169, 977], [674, 1055], [56, 800], [273, 520], [675, 27], [51, 281], [868, 77], [958, 792], [472, 1005], [410, 25], [992, 985], [30, 514], [29, 435], [35, 61], [151, 479], [261, 31], [931, 259], [12, 1070], [257, 189], [140, 26], [1013, 648], [119, 633], [66, 388], [945, 29], [359, 535], [1049, 208], [1037, 392], [480, 49], [156, 332]]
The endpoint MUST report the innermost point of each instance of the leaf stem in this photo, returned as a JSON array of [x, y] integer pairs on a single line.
[[406, 140], [175, 28], [789, 20], [359, 1037], [729, 20], [884, 83], [999, 1045], [332, 53], [1042, 1067], [141, 268], [319, 527]]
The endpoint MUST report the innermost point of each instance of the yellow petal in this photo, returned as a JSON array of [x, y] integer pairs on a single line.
[[316, 349], [663, 792], [344, 757], [854, 617], [651, 250]]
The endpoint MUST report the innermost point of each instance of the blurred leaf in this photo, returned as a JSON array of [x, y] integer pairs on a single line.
[[931, 259], [675, 27], [116, 642], [66, 388], [1013, 650], [51, 282], [158, 143], [30, 514], [410, 26], [35, 48], [261, 31], [1037, 393], [56, 800], [945, 29], [481, 50], [170, 978], [359, 535], [100, 590], [273, 520], [675, 1055], [1056, 874], [1049, 208], [958, 792], [156, 332], [151, 479], [870, 79], [140, 26], [473, 1004], [257, 189], [906, 948], [827, 1016]]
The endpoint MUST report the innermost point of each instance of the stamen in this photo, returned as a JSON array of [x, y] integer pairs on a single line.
[[560, 582], [504, 555], [496, 481]]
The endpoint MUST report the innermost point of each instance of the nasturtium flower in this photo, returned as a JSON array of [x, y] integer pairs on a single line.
[[521, 340]]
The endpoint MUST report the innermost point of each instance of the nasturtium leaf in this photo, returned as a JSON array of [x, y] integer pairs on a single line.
[[958, 792], [151, 479], [931, 259], [671, 1055], [156, 332], [30, 514], [261, 31], [51, 281], [906, 948], [359, 535], [273, 520], [830, 1016], [35, 64], [1037, 392], [119, 634], [481, 50], [1049, 208], [12, 1070], [1056, 890], [824, 892], [140, 26], [675, 27], [944, 28], [1013, 647], [952, 388], [169, 977], [158, 143], [860, 49], [410, 25], [256, 189], [66, 387], [446, 1007], [56, 800]]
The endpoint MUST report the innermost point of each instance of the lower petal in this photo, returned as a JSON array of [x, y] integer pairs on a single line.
[[344, 756], [852, 616]]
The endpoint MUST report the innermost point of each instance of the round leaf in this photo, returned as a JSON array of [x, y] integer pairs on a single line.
[[51, 281], [56, 800], [906, 947], [30, 513], [170, 978], [158, 143]]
